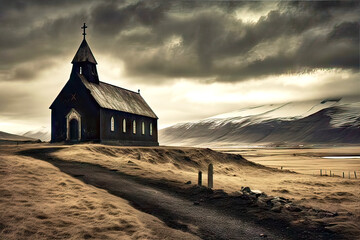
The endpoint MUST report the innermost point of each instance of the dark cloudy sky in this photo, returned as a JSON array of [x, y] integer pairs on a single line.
[[191, 59]]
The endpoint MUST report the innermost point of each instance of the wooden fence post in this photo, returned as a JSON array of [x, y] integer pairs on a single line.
[[200, 178], [355, 174], [210, 175], [330, 173], [320, 172], [343, 174]]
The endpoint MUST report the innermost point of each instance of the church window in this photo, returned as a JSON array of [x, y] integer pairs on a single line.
[[112, 127], [142, 128], [124, 125], [80, 70], [150, 129], [134, 127]]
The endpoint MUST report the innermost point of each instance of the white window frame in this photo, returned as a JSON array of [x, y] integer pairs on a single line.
[[134, 126], [124, 125], [151, 129], [112, 124], [143, 128]]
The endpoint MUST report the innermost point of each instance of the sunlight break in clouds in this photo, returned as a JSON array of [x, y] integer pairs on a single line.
[[273, 89], [191, 59]]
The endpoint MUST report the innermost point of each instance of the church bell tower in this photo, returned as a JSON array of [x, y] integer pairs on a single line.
[[84, 62]]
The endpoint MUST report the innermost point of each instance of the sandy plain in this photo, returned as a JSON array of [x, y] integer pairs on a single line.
[[37, 199]]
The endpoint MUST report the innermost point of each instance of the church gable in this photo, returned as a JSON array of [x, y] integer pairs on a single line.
[[73, 92], [74, 97]]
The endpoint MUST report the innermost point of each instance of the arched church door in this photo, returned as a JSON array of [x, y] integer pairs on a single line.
[[73, 126], [74, 130]]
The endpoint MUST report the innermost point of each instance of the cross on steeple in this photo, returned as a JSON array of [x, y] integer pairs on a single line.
[[84, 27]]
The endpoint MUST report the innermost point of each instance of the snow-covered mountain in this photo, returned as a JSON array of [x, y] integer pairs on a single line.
[[42, 133], [326, 121]]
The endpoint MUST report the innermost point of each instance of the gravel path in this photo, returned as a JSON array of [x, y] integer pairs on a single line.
[[175, 211]]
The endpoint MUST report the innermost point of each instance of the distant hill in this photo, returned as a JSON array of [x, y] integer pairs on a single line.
[[42, 133], [329, 121], [12, 137]]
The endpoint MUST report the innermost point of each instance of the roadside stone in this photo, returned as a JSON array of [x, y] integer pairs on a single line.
[[245, 189], [263, 235], [280, 200], [269, 202], [262, 203], [276, 208], [196, 203], [257, 193], [292, 208], [252, 197], [188, 182], [237, 194], [264, 195], [284, 199]]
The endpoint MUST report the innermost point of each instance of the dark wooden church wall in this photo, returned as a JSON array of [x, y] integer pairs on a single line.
[[128, 136], [75, 95]]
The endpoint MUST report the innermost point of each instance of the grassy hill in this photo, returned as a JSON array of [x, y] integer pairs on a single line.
[[8, 137]]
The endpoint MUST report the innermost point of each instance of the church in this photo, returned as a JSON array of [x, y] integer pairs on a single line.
[[88, 110]]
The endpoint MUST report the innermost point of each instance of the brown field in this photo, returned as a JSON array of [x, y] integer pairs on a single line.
[[307, 160], [38, 201], [309, 188]]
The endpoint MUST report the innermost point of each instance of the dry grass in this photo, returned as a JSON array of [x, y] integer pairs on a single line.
[[37, 201], [182, 164], [175, 165]]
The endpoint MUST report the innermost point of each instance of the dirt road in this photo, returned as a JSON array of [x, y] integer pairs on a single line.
[[173, 210], [218, 216]]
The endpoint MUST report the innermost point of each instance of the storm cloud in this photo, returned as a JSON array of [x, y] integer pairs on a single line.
[[210, 42], [196, 39], [228, 44]]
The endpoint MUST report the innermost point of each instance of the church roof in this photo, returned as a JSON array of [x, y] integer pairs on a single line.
[[119, 99], [84, 54]]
